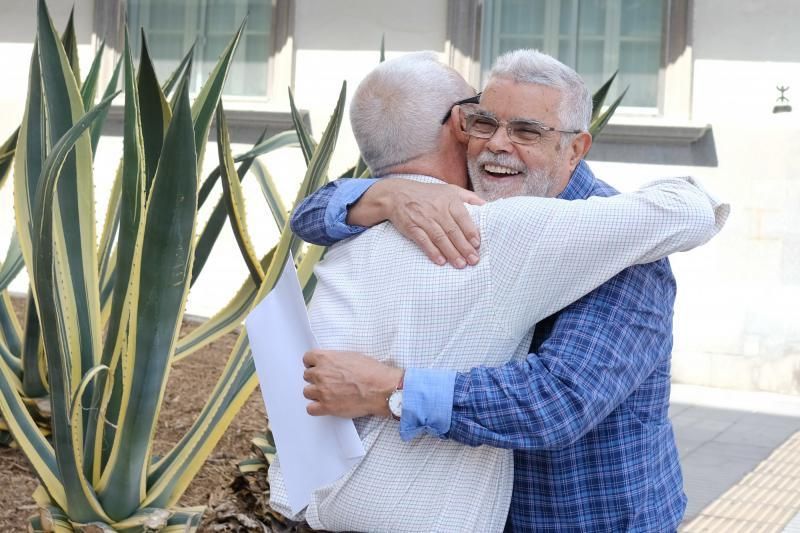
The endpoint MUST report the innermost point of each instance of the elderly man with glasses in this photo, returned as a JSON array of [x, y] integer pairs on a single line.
[[585, 411]]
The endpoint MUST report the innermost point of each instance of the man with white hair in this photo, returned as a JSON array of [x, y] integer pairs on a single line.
[[378, 295]]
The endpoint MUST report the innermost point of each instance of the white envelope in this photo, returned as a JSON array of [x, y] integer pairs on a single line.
[[314, 451]]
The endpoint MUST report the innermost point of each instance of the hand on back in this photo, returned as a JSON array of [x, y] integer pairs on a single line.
[[433, 216]]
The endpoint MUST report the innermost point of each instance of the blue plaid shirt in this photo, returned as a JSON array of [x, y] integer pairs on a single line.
[[585, 412]]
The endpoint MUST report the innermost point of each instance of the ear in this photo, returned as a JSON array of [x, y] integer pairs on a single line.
[[579, 148], [457, 124]]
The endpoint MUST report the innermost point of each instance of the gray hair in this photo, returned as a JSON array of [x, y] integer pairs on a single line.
[[532, 66], [397, 109]]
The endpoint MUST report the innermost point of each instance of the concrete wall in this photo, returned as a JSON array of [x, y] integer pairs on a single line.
[[340, 41], [737, 322]]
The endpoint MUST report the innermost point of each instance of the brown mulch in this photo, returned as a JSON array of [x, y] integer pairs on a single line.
[[190, 383]]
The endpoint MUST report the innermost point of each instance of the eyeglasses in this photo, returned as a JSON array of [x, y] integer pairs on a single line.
[[519, 131], [471, 100]]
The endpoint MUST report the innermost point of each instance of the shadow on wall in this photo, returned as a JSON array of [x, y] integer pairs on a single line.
[[699, 153]]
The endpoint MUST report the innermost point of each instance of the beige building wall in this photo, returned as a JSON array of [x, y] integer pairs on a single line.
[[737, 322]]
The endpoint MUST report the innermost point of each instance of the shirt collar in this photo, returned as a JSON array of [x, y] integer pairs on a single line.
[[416, 177], [580, 185]]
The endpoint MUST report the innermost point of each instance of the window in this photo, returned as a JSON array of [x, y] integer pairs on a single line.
[[173, 25], [596, 37]]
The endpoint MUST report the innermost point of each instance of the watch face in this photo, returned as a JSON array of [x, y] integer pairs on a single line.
[[396, 403]]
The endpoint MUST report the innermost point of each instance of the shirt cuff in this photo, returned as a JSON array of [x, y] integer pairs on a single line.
[[427, 402], [346, 194]]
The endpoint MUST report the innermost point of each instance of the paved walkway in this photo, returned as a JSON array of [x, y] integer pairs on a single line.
[[740, 453]]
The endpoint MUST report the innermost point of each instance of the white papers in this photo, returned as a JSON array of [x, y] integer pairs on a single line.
[[314, 451]]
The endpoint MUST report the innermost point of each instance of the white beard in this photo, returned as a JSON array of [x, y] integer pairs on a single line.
[[529, 182]]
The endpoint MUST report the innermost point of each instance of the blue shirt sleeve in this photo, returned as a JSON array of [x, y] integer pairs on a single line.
[[427, 402], [600, 349], [321, 217]]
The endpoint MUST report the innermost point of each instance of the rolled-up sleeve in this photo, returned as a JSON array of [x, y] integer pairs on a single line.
[[321, 218]]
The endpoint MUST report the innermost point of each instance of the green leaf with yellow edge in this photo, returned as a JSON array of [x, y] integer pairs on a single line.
[[159, 287], [70, 42], [7, 151], [316, 173], [206, 102], [110, 227], [50, 517], [34, 368], [234, 198], [10, 330], [155, 115], [273, 198], [49, 273], [111, 88], [252, 465], [210, 232], [147, 519], [30, 153], [310, 258], [307, 143], [12, 264], [128, 204], [170, 476], [225, 320], [184, 520], [186, 63], [52, 287], [75, 199], [599, 97], [600, 122], [280, 140], [13, 362], [65, 284], [89, 87]]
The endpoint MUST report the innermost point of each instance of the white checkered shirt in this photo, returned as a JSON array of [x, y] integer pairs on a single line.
[[378, 294]]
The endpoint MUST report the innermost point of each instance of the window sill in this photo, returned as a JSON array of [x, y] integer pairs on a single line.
[[655, 140], [245, 124], [652, 130]]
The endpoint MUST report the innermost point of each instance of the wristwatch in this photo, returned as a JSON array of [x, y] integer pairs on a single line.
[[395, 400]]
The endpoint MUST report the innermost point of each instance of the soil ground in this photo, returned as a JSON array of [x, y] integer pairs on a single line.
[[190, 382]]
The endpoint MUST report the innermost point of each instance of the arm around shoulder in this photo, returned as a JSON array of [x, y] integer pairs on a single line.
[[546, 253]]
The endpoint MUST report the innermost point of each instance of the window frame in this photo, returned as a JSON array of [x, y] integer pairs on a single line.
[[467, 20], [109, 17]]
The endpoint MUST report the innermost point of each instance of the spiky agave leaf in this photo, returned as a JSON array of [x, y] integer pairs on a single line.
[[156, 296], [599, 97], [267, 184], [171, 475], [225, 320], [131, 207], [111, 88], [600, 122], [234, 198], [55, 213], [210, 232], [7, 151], [10, 330]]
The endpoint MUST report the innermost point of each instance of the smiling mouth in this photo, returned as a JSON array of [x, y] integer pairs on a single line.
[[499, 171]]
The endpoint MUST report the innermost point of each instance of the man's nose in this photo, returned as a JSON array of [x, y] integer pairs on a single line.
[[499, 141]]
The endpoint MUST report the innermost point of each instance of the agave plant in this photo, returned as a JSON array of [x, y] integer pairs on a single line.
[[600, 117], [20, 347], [109, 315]]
